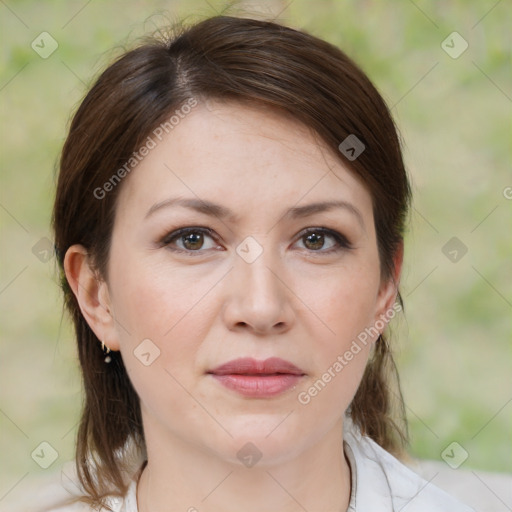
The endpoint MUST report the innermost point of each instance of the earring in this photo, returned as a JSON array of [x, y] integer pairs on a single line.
[[106, 351]]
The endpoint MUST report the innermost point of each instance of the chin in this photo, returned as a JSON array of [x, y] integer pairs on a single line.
[[263, 440]]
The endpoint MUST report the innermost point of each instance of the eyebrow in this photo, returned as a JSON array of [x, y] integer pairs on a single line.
[[304, 211], [199, 205], [216, 210]]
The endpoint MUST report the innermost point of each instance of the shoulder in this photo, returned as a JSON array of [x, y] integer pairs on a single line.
[[384, 483], [65, 495], [115, 505], [70, 507]]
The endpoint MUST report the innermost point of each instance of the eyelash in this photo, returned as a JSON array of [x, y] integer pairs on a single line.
[[341, 241]]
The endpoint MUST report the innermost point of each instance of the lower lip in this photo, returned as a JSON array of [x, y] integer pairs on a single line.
[[259, 386]]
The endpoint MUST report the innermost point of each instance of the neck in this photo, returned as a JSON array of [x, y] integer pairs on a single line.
[[185, 477]]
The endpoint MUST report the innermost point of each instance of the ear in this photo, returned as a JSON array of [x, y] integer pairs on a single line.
[[388, 291], [92, 295]]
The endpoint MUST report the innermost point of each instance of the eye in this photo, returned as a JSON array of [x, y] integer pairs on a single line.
[[190, 240], [323, 240]]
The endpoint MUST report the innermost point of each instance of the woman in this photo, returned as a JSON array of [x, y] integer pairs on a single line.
[[229, 223]]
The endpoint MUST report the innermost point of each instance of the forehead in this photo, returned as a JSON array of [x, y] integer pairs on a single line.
[[249, 157]]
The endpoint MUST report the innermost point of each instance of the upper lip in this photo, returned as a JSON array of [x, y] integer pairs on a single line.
[[250, 366]]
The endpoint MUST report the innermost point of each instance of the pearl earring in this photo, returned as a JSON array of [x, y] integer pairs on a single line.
[[106, 351]]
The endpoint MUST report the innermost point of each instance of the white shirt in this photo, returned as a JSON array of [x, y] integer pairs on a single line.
[[380, 483]]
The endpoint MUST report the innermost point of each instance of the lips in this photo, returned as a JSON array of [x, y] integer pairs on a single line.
[[249, 366], [256, 378]]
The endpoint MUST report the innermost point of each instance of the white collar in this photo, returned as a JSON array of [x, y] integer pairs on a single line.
[[380, 483], [384, 484]]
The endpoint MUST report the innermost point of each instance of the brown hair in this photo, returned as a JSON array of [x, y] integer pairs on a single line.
[[232, 59]]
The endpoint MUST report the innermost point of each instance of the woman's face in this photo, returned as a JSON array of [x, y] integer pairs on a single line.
[[276, 258]]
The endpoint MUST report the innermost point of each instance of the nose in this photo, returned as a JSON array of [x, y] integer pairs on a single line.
[[257, 298]]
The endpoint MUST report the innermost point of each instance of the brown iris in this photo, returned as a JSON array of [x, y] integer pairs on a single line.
[[193, 241], [314, 241]]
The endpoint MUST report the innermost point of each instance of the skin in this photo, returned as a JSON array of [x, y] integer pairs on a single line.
[[299, 300]]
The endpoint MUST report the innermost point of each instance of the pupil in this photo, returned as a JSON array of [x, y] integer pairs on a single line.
[[193, 241], [315, 241]]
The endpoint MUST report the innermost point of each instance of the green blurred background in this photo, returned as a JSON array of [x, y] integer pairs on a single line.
[[454, 344]]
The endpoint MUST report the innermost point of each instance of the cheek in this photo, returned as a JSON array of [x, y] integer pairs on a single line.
[[339, 361], [165, 318], [156, 302], [344, 304], [174, 309]]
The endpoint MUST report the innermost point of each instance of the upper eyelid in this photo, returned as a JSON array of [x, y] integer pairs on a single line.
[[340, 238], [180, 231]]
